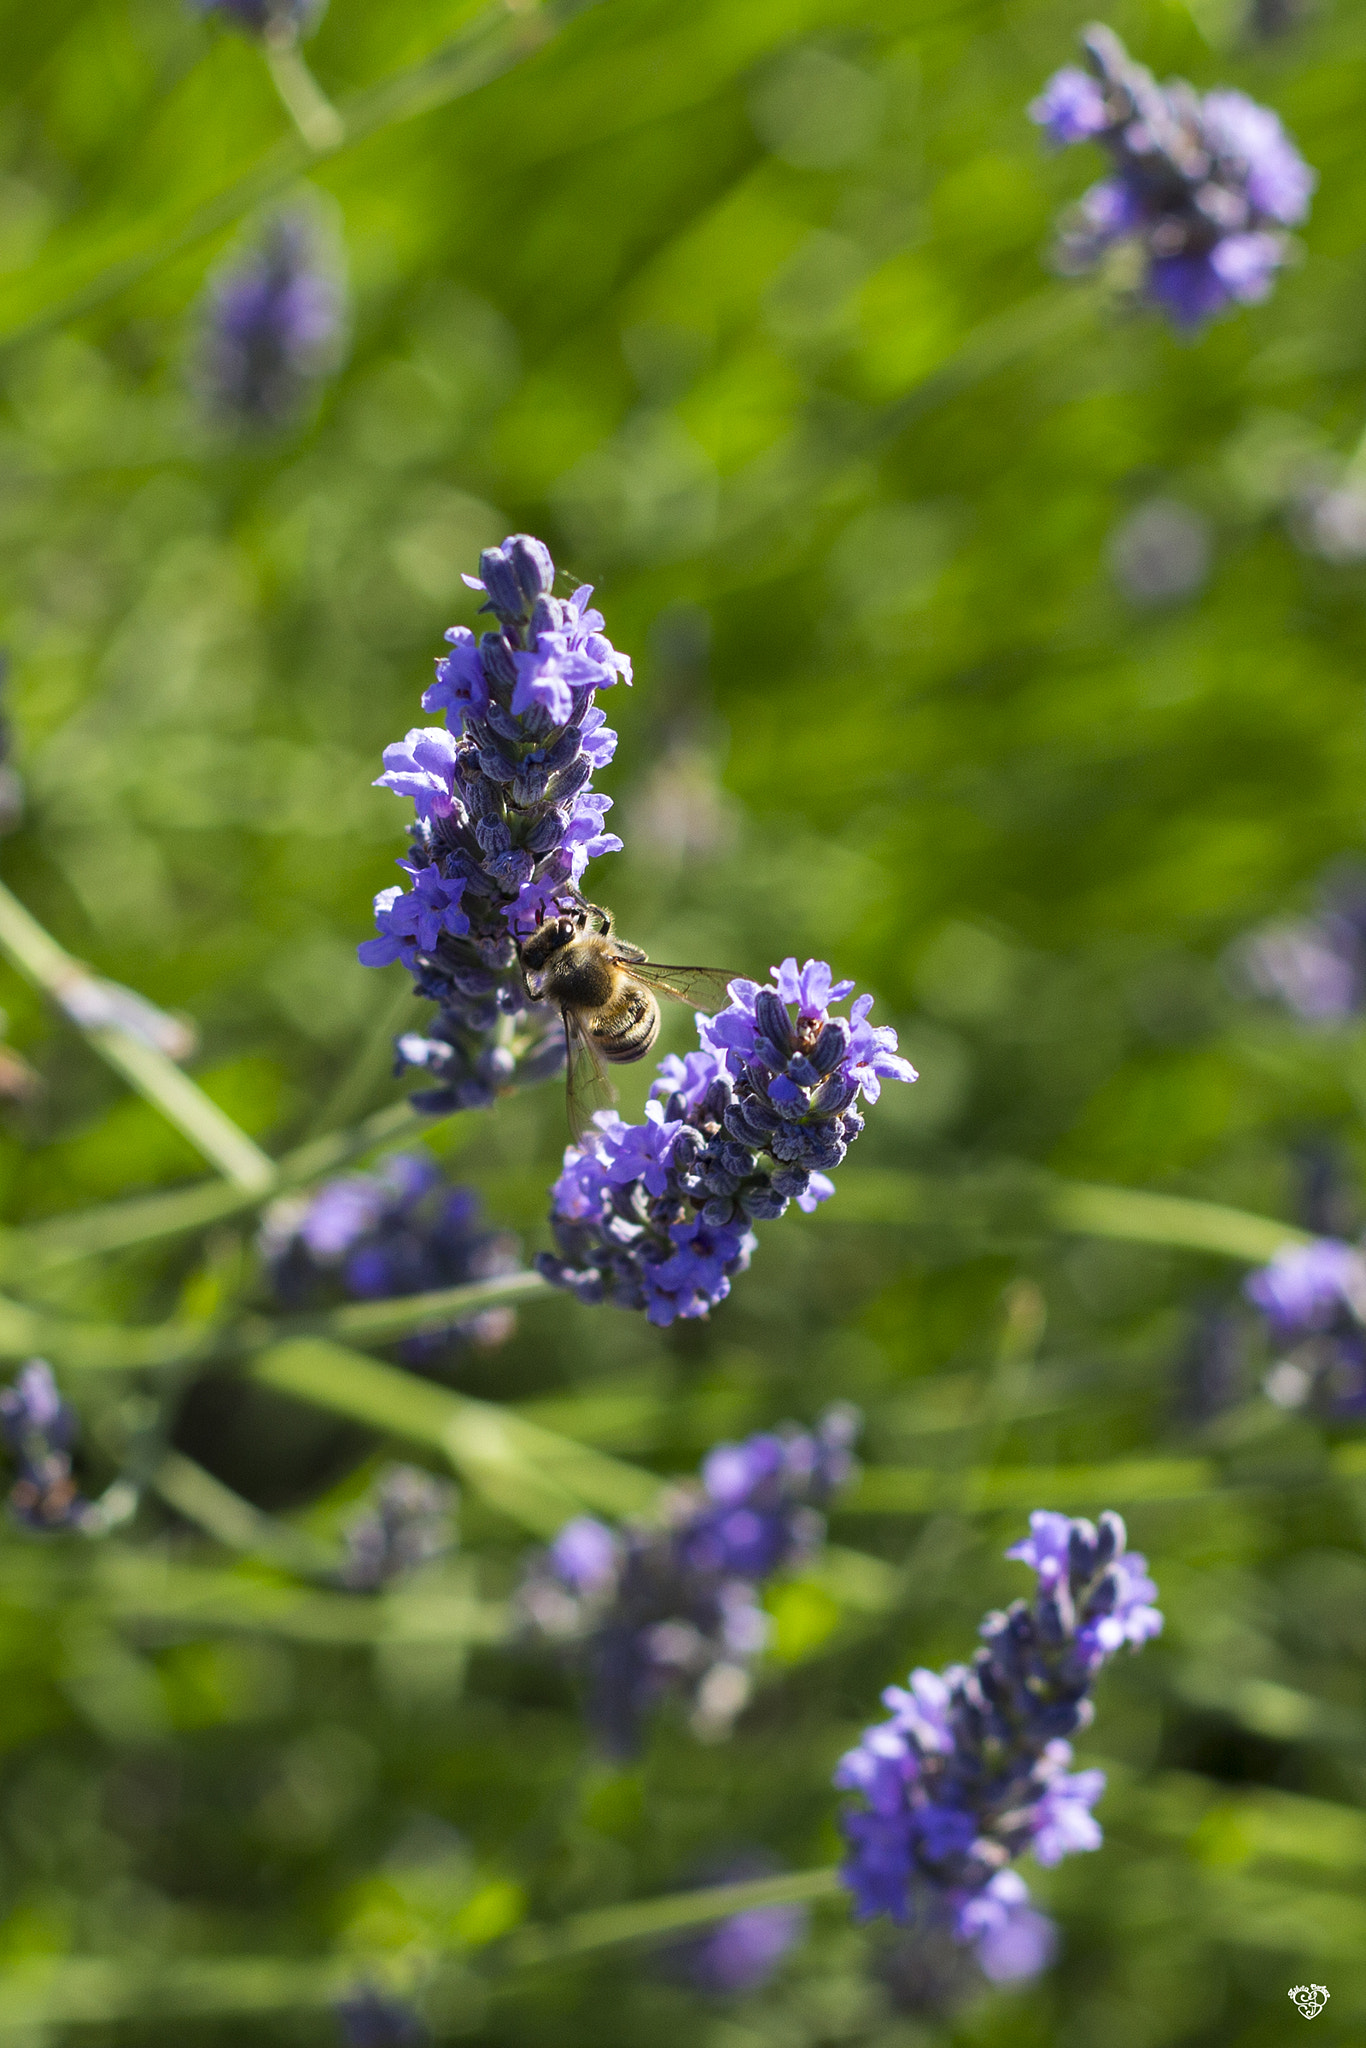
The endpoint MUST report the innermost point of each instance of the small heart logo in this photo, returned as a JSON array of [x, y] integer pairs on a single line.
[[1310, 1999]]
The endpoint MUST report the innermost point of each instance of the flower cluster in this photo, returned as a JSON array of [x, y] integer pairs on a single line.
[[507, 822], [1313, 1297], [744, 1950], [1315, 966], [408, 1524], [657, 1215], [401, 1229], [273, 327], [1202, 186], [367, 2018], [281, 21], [972, 1768], [39, 1431], [646, 1612]]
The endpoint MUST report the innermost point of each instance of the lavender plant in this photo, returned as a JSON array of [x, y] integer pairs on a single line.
[[507, 822], [1313, 1297], [265, 19], [367, 2018], [971, 1770], [657, 1216], [744, 1950], [1202, 187], [402, 1228], [407, 1523], [39, 1430], [646, 1612], [273, 326], [1315, 966]]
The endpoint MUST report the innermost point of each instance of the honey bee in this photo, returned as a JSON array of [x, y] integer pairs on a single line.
[[604, 988]]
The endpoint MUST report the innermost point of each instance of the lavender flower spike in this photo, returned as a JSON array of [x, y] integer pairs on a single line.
[[407, 1525], [656, 1216], [266, 20], [971, 1770], [742, 1952], [274, 326], [1313, 1297], [1203, 188], [506, 823], [652, 1611], [367, 2018], [39, 1430], [400, 1229], [1315, 966]]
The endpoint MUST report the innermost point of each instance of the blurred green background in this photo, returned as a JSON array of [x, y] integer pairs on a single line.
[[746, 310]]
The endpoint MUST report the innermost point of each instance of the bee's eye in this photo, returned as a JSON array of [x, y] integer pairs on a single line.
[[566, 928]]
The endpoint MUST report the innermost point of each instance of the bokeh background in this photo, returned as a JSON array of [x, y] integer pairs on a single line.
[[986, 645]]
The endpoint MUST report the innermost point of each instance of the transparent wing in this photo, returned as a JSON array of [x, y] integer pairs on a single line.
[[587, 1087], [703, 987]]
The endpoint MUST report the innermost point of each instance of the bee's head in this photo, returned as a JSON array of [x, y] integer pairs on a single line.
[[548, 938]]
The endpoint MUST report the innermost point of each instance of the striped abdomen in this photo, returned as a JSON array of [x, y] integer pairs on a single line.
[[625, 1029]]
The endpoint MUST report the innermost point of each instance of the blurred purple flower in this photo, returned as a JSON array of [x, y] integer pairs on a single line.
[[1313, 1297], [1203, 186], [274, 323], [742, 1952], [400, 1229], [408, 1523], [276, 20], [39, 1430], [367, 2018], [673, 1609]]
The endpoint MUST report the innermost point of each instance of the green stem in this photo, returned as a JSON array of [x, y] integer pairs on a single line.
[[538, 1478], [39, 958], [1169, 1220], [117, 1226], [234, 1522], [649, 1919], [145, 1590], [303, 99], [490, 45], [380, 1322], [371, 1066], [113, 1347], [52, 1991], [69, 1990]]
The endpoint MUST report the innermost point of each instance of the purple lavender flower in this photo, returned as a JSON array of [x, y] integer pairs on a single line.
[[1313, 1297], [507, 822], [39, 1431], [656, 1216], [367, 2018], [650, 1611], [400, 1229], [267, 20], [1315, 966], [274, 326], [1204, 187], [742, 1952], [971, 1769], [407, 1524], [1306, 1288]]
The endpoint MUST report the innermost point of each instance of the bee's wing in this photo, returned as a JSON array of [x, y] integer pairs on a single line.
[[587, 1087], [704, 987]]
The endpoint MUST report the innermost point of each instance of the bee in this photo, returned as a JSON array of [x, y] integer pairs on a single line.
[[604, 988]]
